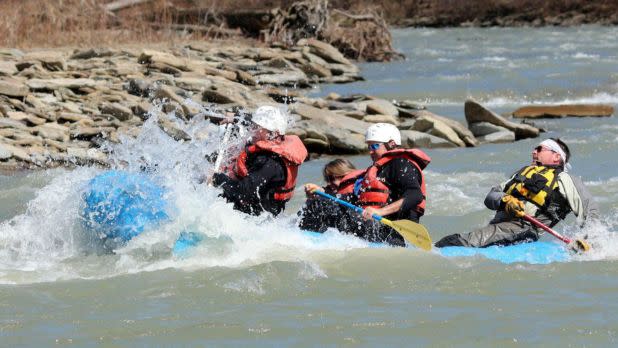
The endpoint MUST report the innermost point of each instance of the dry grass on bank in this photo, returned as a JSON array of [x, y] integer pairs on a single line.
[[50, 23]]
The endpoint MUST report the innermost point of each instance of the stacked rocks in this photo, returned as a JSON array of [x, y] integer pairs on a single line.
[[57, 107]]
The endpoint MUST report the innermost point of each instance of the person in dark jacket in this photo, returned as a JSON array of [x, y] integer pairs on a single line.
[[318, 214], [264, 175], [392, 187]]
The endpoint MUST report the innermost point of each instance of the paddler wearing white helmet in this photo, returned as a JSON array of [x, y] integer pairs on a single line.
[[392, 187], [263, 177]]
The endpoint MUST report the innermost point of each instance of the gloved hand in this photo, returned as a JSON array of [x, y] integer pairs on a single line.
[[513, 206], [311, 188]]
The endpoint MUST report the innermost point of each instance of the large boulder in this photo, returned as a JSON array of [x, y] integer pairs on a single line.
[[50, 60], [475, 112], [573, 110], [52, 131], [117, 110], [324, 51], [315, 69], [193, 83], [415, 139], [55, 84], [379, 107], [480, 129], [505, 136], [10, 123], [329, 118], [7, 68], [163, 58], [381, 119], [26, 118], [462, 132], [5, 152], [16, 152], [437, 128], [224, 91], [93, 53], [288, 77], [13, 88], [338, 140]]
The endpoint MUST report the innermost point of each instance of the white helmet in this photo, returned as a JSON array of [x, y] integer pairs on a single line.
[[383, 133], [271, 118]]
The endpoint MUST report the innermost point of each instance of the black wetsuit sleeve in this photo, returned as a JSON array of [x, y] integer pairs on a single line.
[[493, 200], [265, 174], [404, 181]]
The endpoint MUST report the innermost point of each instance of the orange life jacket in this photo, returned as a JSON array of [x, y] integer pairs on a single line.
[[346, 185], [375, 194], [291, 150]]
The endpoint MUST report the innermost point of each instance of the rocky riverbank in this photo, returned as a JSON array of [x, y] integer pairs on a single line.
[[60, 107]]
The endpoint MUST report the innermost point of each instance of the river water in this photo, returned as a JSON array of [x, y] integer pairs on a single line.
[[262, 282]]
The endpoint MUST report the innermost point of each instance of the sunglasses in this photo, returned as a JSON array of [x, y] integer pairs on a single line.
[[374, 147], [541, 149]]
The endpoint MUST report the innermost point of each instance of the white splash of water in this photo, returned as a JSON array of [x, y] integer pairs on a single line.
[[601, 235], [49, 231], [48, 241]]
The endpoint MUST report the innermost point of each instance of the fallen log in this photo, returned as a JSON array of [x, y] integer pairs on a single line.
[[564, 110]]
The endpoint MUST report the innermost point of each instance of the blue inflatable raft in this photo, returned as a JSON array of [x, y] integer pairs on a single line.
[[118, 205], [535, 253]]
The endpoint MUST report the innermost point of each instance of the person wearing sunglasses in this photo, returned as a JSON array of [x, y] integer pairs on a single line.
[[392, 187], [263, 177], [318, 214], [545, 189]]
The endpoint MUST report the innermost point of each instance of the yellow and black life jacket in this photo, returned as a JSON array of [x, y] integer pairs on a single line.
[[535, 184]]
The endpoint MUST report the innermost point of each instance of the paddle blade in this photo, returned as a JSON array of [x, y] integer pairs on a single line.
[[413, 233], [580, 246]]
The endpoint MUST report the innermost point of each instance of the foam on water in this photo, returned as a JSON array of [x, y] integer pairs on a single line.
[[48, 232], [494, 59], [518, 101], [581, 55], [468, 189]]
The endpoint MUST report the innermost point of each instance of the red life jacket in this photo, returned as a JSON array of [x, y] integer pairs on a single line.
[[346, 185], [291, 150], [375, 194]]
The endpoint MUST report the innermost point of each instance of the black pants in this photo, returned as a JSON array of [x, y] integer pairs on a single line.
[[353, 223], [318, 215]]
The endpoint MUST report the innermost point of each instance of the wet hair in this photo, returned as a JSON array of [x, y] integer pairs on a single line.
[[337, 167], [564, 148]]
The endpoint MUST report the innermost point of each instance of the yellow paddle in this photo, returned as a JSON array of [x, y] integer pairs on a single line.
[[413, 233]]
